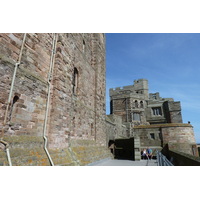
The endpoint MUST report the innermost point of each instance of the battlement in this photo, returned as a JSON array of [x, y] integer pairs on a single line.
[[121, 90], [140, 86], [156, 96]]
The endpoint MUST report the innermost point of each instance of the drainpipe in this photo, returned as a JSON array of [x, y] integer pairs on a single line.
[[48, 97], [9, 101], [126, 110], [7, 151]]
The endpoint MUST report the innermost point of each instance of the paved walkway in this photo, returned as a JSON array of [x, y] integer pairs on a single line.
[[110, 162]]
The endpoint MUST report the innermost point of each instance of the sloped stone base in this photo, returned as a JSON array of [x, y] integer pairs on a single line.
[[29, 151]]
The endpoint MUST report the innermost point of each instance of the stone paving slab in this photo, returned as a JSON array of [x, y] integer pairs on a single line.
[[112, 162]]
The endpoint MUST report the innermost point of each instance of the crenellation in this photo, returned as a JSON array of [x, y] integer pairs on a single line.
[[156, 121]]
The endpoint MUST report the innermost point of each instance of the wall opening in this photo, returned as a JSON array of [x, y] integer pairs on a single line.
[[75, 81], [136, 104], [157, 111], [152, 136], [83, 45], [136, 116], [141, 104], [92, 129], [15, 99]]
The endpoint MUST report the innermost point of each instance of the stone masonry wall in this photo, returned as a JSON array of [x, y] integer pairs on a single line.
[[114, 128], [179, 138], [73, 115]]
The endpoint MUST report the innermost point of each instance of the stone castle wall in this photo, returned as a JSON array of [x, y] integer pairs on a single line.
[[178, 136], [74, 86], [156, 121], [114, 128]]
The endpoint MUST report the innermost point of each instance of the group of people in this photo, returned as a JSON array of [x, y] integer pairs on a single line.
[[147, 153]]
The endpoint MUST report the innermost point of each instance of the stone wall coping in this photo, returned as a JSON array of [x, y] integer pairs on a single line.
[[163, 125], [186, 155]]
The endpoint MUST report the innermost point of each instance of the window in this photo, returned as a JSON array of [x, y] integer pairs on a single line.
[[83, 45], [75, 81], [141, 104], [157, 111], [92, 131], [136, 103], [15, 99], [152, 136], [160, 135], [154, 96], [136, 116]]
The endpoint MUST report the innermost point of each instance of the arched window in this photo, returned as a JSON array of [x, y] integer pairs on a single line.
[[75, 81], [15, 99], [136, 103], [141, 104]]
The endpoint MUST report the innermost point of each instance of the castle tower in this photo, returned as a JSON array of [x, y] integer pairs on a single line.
[[130, 101], [141, 87]]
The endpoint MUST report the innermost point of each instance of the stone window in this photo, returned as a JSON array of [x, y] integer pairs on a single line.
[[15, 99], [160, 135], [157, 111], [141, 104], [136, 103], [83, 45], [75, 81], [154, 96], [92, 129], [152, 136], [136, 116]]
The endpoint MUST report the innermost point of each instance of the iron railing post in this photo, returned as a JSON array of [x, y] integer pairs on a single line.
[[162, 160]]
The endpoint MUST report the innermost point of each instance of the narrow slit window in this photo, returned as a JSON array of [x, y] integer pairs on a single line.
[[136, 104], [75, 81], [83, 45], [15, 99]]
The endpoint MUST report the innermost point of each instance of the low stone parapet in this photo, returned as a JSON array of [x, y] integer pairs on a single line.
[[183, 159]]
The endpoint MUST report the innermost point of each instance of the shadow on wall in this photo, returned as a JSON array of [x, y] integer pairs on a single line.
[[123, 149], [179, 158]]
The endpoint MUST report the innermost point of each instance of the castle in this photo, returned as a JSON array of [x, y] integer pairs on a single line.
[[52, 99], [52, 104], [151, 120]]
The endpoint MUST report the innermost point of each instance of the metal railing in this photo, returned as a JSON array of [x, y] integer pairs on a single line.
[[162, 160]]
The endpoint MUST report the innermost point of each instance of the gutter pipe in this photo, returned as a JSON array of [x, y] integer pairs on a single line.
[[9, 102], [48, 96]]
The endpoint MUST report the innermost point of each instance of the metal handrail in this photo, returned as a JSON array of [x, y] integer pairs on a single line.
[[162, 160]]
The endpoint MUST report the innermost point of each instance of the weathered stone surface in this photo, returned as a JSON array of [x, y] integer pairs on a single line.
[[76, 108], [155, 120]]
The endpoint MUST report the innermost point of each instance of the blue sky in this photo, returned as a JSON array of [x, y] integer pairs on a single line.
[[170, 62]]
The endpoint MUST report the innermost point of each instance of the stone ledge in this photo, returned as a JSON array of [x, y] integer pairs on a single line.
[[186, 155], [163, 125]]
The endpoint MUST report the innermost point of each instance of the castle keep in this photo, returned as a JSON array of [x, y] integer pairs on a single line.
[[52, 105], [52, 99], [151, 120]]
